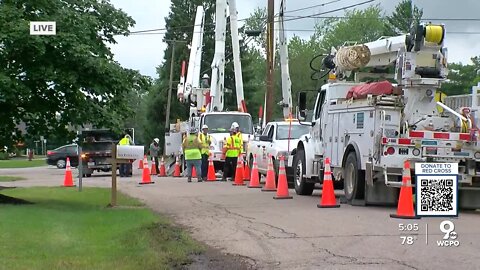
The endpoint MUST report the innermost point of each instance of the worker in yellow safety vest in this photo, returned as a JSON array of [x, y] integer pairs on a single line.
[[125, 170], [192, 152], [233, 147], [239, 135], [206, 141]]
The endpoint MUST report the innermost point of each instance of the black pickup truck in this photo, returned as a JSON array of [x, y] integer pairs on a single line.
[[97, 149]]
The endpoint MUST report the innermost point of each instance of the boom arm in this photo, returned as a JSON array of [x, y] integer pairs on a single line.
[[286, 82], [218, 63], [236, 56]]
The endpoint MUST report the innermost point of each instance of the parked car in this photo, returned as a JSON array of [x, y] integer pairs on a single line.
[[58, 157]]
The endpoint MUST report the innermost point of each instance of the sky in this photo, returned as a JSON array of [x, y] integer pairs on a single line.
[[145, 52]]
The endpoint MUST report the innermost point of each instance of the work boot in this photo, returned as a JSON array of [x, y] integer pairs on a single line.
[[189, 179], [224, 179], [200, 180]]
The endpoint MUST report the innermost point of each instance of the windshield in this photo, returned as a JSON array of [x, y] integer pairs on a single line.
[[220, 123], [295, 132]]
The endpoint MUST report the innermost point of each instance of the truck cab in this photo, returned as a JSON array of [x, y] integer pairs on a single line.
[[219, 124]]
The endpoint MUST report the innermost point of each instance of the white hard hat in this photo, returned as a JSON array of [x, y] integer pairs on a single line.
[[156, 140], [235, 125], [205, 76], [204, 127]]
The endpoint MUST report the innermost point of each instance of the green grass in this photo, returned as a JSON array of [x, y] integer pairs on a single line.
[[67, 229], [21, 163], [10, 178]]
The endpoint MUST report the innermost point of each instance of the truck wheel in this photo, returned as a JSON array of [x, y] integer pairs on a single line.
[[301, 185], [354, 179]]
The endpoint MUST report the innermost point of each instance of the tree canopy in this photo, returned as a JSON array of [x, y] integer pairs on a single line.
[[50, 83]]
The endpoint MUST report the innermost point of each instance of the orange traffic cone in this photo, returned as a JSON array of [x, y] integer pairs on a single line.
[[327, 200], [176, 172], [254, 180], [140, 163], [153, 171], [163, 172], [194, 172], [239, 173], [270, 182], [211, 170], [246, 172], [146, 179], [68, 179], [282, 191], [405, 203]]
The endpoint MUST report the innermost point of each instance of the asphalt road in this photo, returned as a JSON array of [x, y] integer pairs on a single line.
[[291, 234]]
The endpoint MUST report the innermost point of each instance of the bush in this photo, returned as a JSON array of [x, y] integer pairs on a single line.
[[4, 155]]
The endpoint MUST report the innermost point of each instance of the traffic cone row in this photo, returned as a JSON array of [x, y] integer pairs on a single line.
[[68, 179], [405, 207]]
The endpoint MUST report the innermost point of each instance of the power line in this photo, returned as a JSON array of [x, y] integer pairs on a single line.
[[309, 7], [297, 30], [330, 11]]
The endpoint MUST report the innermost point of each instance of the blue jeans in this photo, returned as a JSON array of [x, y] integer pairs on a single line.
[[197, 163]]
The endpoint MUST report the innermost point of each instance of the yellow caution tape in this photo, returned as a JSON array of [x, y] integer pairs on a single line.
[[434, 33]]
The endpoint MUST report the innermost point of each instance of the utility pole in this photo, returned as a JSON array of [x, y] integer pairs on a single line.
[[270, 63], [170, 89]]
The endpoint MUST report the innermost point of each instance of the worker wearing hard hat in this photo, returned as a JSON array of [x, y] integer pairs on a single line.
[[232, 151], [154, 152], [206, 141], [236, 126], [192, 152], [124, 167]]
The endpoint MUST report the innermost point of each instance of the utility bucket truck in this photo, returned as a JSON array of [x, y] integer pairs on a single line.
[[207, 101], [369, 130]]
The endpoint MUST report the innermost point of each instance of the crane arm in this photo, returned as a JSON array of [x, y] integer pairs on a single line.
[[218, 63], [283, 51]]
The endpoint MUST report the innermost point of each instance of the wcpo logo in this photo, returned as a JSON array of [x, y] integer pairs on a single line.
[[43, 28], [450, 238]]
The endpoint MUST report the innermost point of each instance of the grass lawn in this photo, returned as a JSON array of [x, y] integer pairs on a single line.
[[22, 163], [10, 178], [67, 229]]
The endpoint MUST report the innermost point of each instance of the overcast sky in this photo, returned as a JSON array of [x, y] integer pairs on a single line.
[[145, 52]]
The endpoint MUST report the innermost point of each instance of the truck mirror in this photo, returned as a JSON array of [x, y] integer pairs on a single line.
[[302, 106], [265, 138]]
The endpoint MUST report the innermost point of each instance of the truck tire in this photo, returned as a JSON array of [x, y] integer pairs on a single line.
[[301, 185], [354, 179]]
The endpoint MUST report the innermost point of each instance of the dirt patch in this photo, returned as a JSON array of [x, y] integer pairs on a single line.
[[214, 259]]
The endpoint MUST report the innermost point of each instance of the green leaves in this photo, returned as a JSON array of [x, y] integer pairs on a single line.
[[54, 82]]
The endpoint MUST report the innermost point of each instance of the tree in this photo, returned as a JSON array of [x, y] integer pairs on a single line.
[[358, 26], [401, 20], [462, 77], [54, 82]]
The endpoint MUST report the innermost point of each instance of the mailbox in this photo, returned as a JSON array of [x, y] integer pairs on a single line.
[[130, 152]]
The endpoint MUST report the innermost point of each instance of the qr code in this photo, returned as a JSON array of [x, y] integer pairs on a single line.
[[437, 195]]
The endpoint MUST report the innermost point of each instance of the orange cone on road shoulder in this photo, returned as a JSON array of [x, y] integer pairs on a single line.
[[68, 179], [176, 172], [239, 173], [405, 207], [327, 199], [211, 177], [162, 172], [270, 181], [194, 172], [282, 190], [146, 179], [254, 179]]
